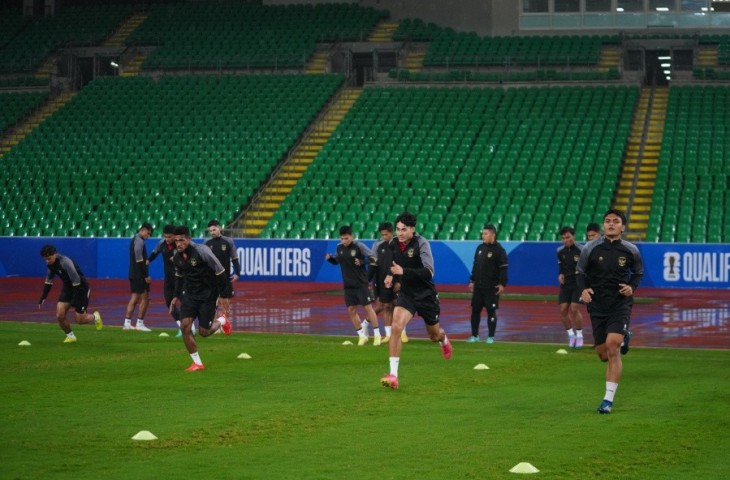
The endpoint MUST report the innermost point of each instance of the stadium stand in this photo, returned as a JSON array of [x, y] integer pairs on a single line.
[[246, 34], [14, 106], [691, 201], [527, 160], [32, 42], [181, 149]]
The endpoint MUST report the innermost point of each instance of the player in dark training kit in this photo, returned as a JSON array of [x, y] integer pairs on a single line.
[[224, 249], [201, 283], [139, 279], [569, 295], [353, 258], [167, 249], [74, 293], [412, 271], [608, 273]]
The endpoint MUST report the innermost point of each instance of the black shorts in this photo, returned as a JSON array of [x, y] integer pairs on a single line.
[[484, 298], [203, 310], [569, 294], [428, 308], [138, 285], [385, 295], [169, 292], [358, 296], [80, 306], [605, 323]]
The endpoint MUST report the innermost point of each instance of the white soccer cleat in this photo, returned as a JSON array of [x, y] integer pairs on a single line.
[[141, 328]]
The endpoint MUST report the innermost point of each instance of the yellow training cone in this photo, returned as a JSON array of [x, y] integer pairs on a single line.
[[24, 343], [245, 356], [562, 351], [481, 366], [144, 435], [524, 467]]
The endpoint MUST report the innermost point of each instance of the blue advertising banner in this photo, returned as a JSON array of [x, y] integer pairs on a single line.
[[666, 265]]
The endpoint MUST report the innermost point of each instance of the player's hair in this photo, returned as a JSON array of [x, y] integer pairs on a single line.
[[214, 223], [182, 230], [491, 228], [47, 250], [567, 229], [168, 229], [407, 219], [593, 227], [616, 212], [385, 226], [346, 230], [146, 226]]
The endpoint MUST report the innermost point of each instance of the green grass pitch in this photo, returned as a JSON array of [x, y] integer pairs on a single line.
[[307, 407]]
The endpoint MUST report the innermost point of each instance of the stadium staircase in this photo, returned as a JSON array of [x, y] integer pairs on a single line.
[[118, 38], [46, 68], [383, 31], [317, 64], [610, 58], [14, 136], [638, 174], [134, 66], [271, 196], [414, 59], [707, 56]]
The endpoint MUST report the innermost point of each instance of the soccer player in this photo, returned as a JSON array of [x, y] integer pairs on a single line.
[[139, 279], [569, 296], [353, 258], [75, 291], [201, 283], [593, 231], [608, 273], [224, 249], [384, 296], [487, 282], [167, 249], [412, 271]]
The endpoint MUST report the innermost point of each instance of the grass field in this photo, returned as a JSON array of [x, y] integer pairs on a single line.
[[307, 407]]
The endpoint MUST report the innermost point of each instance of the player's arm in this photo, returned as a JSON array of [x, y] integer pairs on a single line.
[[46, 288], [234, 259], [581, 280], [155, 252], [224, 282], [139, 260]]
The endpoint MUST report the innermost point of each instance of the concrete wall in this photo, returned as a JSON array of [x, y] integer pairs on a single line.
[[486, 17]]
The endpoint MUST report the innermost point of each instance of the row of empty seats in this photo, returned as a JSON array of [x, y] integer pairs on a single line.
[[181, 149], [15, 106], [34, 40], [528, 160], [247, 34], [691, 202]]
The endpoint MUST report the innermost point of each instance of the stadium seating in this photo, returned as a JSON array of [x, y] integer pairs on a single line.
[[528, 160], [71, 26], [451, 48], [14, 106], [182, 149], [247, 34], [691, 201]]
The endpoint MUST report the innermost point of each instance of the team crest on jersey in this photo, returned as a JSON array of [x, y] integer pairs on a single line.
[[353, 253], [194, 261], [621, 261], [224, 247], [576, 258], [411, 252], [489, 255], [600, 259]]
